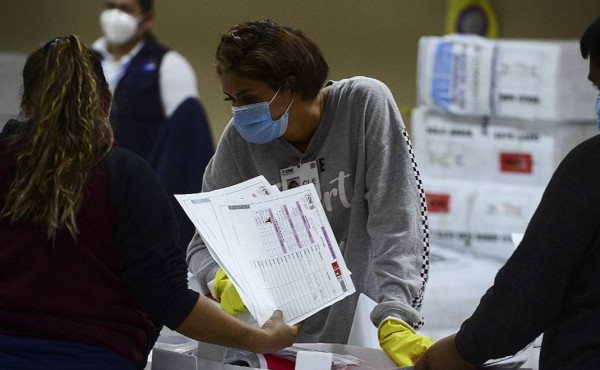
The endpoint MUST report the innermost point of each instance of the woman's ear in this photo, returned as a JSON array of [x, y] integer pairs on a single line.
[[290, 83]]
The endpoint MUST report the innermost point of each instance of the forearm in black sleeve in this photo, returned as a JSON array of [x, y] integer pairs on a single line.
[[151, 263]]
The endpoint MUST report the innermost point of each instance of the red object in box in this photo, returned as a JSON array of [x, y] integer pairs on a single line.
[[278, 363]]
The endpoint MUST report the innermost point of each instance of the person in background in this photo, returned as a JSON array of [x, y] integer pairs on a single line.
[[348, 139], [89, 263], [156, 111], [551, 283]]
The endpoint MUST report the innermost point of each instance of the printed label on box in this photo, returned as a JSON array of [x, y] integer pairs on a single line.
[[516, 162], [437, 203]]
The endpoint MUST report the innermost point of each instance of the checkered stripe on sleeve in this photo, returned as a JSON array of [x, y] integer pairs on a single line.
[[418, 300]]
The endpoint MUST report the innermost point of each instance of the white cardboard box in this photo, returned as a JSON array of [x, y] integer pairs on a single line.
[[455, 73], [479, 217], [527, 79], [198, 355], [544, 80], [501, 150], [449, 146]]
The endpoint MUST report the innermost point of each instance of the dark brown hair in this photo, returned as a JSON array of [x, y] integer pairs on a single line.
[[266, 51], [590, 41], [65, 101], [146, 5]]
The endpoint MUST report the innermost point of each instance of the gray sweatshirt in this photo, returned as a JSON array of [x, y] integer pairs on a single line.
[[370, 190]]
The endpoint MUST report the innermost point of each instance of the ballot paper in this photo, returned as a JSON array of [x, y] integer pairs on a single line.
[[199, 209], [277, 248]]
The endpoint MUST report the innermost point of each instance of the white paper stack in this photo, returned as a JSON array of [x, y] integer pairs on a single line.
[[276, 247]]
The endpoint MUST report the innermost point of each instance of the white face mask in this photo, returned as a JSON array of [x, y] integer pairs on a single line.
[[118, 26]]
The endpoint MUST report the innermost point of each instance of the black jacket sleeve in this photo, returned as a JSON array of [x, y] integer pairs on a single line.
[[9, 128], [534, 290], [151, 263]]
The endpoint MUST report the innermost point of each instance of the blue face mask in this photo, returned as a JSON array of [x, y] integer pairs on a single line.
[[598, 111], [254, 123]]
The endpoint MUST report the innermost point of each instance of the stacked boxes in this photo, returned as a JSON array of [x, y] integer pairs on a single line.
[[474, 76], [486, 157]]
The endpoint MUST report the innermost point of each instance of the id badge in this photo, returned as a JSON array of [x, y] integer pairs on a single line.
[[305, 173]]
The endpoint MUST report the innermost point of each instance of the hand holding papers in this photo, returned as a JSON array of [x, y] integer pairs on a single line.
[[276, 247]]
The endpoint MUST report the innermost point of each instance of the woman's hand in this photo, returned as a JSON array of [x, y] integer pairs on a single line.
[[275, 334], [442, 355], [209, 323]]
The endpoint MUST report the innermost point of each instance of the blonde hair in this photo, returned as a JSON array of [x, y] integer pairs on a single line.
[[65, 100]]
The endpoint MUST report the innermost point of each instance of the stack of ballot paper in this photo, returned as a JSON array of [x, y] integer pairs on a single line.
[[277, 248]]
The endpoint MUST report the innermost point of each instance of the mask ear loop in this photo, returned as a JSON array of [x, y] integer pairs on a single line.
[[274, 96], [288, 108]]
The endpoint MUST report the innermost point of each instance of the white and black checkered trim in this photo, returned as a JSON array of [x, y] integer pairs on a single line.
[[416, 303]]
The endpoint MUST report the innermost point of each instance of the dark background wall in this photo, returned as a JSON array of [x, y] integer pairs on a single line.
[[376, 38]]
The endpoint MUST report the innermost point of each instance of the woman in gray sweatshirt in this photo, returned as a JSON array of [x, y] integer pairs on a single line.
[[348, 138]]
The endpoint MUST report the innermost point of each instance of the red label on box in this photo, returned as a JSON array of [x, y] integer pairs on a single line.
[[437, 203], [516, 162]]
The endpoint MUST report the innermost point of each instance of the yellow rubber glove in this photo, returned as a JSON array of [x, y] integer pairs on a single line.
[[226, 293], [401, 342]]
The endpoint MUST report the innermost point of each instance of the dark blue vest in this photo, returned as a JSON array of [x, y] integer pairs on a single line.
[[137, 112], [178, 147]]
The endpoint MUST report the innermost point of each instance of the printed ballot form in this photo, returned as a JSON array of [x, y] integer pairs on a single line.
[[276, 247], [199, 209]]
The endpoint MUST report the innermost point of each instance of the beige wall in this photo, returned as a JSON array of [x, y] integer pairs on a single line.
[[376, 38]]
